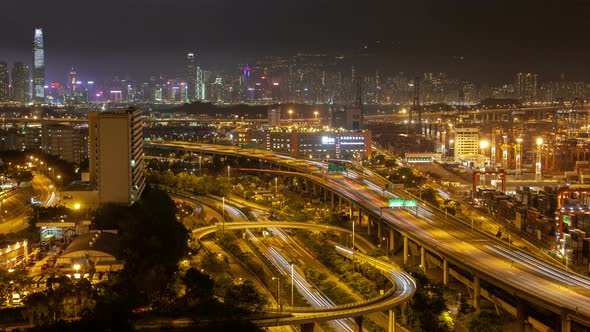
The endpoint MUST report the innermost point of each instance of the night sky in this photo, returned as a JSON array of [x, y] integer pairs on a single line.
[[488, 39]]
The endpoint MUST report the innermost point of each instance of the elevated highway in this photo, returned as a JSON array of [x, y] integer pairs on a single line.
[[450, 244], [404, 285]]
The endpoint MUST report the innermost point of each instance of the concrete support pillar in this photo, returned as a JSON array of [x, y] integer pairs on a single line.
[[359, 323], [521, 315], [325, 195], [445, 272], [391, 325], [308, 327], [423, 259], [406, 251], [476, 294], [405, 313], [391, 241], [379, 228], [566, 323], [350, 212]]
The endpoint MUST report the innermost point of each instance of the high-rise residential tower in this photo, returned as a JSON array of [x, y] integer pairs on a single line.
[[4, 83], [116, 155], [191, 76], [20, 90], [526, 86], [38, 67]]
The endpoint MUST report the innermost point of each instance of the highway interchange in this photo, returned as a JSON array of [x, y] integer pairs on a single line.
[[529, 278]]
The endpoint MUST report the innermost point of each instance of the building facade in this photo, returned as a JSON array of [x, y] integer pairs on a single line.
[[466, 142], [67, 142], [116, 155], [38, 67], [274, 117], [314, 145], [526, 86], [4, 82], [20, 83]]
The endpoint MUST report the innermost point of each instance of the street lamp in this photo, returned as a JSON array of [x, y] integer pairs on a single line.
[[77, 268], [278, 292], [292, 283], [483, 145], [3, 200], [538, 173], [199, 165], [518, 157], [291, 115]]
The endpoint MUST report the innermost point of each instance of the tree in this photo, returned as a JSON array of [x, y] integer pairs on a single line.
[[199, 286], [487, 322], [152, 240], [427, 305], [245, 296]]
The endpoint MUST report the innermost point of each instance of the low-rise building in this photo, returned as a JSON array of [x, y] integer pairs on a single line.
[[98, 250], [314, 144]]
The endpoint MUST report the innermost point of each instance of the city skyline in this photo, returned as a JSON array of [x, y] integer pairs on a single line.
[[492, 42]]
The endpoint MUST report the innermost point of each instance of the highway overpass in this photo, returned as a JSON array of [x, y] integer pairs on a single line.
[[404, 285], [465, 254]]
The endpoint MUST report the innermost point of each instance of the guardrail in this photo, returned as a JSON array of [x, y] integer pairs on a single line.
[[395, 295]]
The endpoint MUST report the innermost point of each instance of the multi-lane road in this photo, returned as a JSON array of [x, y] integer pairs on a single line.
[[16, 207], [540, 283], [405, 286]]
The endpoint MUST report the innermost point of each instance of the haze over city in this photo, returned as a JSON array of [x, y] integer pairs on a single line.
[[141, 38], [224, 165]]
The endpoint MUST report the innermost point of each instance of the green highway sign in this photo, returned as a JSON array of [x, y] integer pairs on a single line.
[[336, 168], [399, 202]]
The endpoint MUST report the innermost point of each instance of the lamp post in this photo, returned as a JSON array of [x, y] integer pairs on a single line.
[[483, 145], [291, 115], [223, 212], [2, 201], [292, 284], [352, 242], [518, 157], [444, 145], [77, 268], [199, 165], [538, 170], [278, 292]]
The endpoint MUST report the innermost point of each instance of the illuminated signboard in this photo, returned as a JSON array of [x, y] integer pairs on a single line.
[[328, 140], [399, 202]]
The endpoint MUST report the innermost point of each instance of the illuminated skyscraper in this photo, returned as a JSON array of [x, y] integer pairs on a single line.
[[20, 83], [247, 78], [4, 84], [196, 88], [38, 67], [72, 80], [191, 76]]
